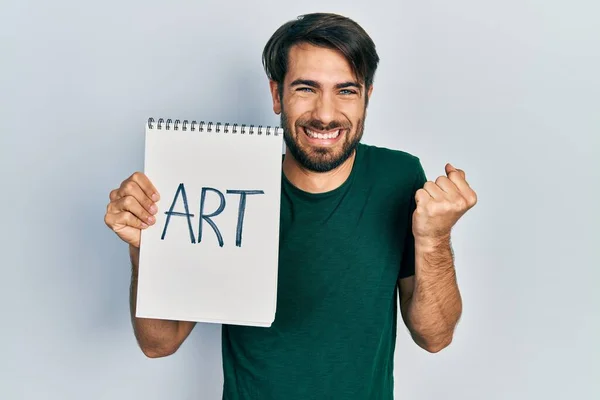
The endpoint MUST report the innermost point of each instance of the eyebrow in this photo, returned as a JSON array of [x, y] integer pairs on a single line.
[[317, 85]]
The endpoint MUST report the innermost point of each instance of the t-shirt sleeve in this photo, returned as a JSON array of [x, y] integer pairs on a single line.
[[407, 267]]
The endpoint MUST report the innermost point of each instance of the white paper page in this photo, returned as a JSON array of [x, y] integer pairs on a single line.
[[233, 281]]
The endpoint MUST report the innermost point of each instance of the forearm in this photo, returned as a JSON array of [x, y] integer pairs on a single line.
[[435, 306], [156, 337]]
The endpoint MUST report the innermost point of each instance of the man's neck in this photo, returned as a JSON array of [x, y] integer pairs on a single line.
[[316, 182]]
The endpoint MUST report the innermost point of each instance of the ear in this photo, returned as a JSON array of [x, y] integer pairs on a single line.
[[275, 94], [370, 91]]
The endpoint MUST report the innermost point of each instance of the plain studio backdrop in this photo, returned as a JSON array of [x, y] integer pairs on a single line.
[[509, 91]]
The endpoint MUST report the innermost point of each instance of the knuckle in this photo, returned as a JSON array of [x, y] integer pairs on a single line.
[[128, 201], [129, 186], [473, 199], [130, 219], [109, 221], [420, 196], [461, 203]]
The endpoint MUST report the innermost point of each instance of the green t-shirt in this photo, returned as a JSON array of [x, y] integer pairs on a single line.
[[341, 254]]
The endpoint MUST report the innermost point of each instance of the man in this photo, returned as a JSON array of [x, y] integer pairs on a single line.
[[359, 224]]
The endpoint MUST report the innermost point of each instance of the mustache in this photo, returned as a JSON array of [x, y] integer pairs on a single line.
[[319, 126]]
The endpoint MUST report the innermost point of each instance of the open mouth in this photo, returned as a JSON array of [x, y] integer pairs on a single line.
[[323, 137]]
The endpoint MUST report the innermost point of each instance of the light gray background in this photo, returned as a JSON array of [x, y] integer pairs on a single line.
[[507, 90]]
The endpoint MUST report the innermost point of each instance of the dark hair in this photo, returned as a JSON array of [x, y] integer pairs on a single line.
[[325, 30]]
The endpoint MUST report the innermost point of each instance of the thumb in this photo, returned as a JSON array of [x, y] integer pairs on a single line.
[[450, 168]]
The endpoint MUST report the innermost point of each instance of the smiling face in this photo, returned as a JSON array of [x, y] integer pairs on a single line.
[[323, 107]]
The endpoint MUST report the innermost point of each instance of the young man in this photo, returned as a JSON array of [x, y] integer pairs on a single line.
[[359, 224]]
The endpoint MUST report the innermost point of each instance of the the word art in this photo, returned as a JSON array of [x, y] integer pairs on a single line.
[[208, 217]]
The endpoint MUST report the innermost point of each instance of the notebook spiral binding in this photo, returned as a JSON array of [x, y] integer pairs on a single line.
[[202, 126]]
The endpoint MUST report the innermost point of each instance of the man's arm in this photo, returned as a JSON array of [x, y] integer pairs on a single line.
[[430, 301], [131, 209], [156, 338]]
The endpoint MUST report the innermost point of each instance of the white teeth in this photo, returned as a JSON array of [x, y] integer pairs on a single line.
[[331, 135]]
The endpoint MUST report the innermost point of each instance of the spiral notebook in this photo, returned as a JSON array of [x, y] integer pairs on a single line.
[[212, 254]]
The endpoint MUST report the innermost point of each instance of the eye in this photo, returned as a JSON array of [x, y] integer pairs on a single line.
[[304, 89], [347, 91]]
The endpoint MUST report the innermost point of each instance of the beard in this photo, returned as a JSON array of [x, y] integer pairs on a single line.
[[321, 159]]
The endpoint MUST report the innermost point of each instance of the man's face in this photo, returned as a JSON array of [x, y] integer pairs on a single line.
[[322, 108]]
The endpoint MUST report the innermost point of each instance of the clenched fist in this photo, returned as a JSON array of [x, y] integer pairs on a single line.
[[441, 204], [132, 208]]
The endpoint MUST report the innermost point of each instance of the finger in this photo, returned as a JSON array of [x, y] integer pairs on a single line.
[[434, 190], [132, 188], [463, 188], [447, 185], [457, 177], [124, 218], [422, 196], [131, 205], [142, 180], [461, 185], [113, 195]]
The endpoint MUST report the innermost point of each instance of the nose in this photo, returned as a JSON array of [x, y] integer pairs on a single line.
[[324, 110]]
